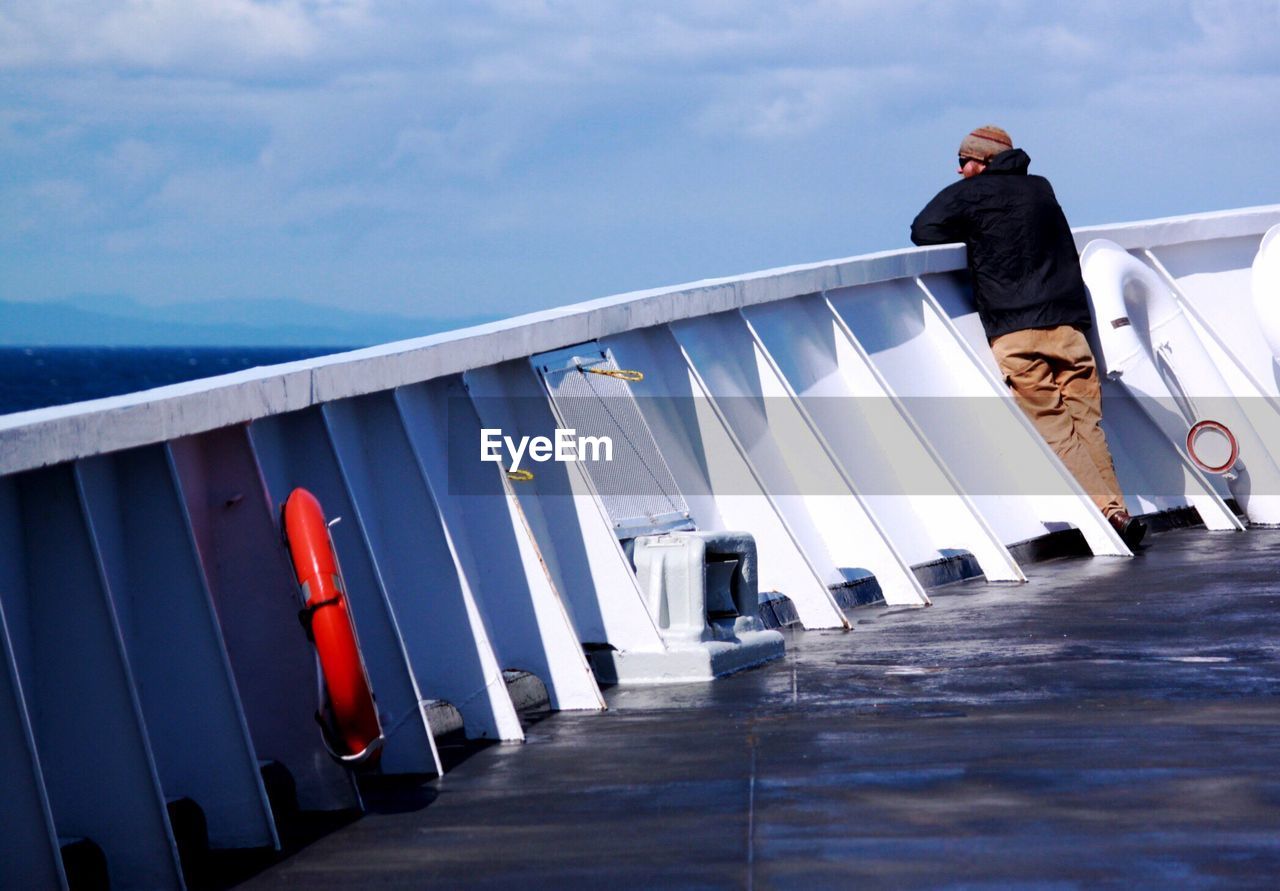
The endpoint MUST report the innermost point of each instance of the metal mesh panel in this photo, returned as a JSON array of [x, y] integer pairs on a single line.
[[636, 486]]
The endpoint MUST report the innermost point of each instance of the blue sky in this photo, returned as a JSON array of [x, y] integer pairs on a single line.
[[451, 159]]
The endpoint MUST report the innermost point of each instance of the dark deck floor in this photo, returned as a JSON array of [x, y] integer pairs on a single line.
[[1113, 723]]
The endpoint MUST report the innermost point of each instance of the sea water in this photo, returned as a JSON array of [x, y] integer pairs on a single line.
[[35, 377]]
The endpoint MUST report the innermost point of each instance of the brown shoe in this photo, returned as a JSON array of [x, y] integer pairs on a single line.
[[1131, 529]]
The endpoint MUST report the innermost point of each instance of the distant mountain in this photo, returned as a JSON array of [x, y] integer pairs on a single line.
[[119, 321]]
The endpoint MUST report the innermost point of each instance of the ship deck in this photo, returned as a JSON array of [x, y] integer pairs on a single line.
[[1114, 722]]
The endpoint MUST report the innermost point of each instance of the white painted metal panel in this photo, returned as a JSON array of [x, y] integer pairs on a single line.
[[436, 612], [1261, 410], [717, 481], [28, 841], [784, 451], [1214, 281], [989, 445], [1250, 372], [910, 492], [76, 681], [1154, 475], [529, 625], [294, 450], [570, 526], [1265, 284], [256, 596], [1149, 344], [195, 722]]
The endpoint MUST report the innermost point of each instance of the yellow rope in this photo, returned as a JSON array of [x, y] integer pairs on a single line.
[[622, 374], [520, 476]]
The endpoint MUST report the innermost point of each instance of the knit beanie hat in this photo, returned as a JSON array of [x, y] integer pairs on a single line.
[[985, 143]]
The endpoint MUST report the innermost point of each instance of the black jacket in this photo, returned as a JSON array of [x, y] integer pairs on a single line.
[[1024, 263]]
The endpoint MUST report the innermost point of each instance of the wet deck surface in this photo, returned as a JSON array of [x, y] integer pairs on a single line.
[[1113, 723]]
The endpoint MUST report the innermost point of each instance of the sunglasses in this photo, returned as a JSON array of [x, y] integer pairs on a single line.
[[962, 160]]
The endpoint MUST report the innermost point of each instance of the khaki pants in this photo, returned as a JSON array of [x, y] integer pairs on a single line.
[[1054, 378]]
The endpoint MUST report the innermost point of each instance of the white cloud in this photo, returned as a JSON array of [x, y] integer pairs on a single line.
[[169, 35], [795, 104], [1241, 35], [132, 162], [464, 148], [315, 122], [54, 207]]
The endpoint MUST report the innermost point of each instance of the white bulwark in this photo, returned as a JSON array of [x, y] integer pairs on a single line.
[[635, 489]]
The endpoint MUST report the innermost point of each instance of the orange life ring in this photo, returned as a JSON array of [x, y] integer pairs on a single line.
[[354, 717]]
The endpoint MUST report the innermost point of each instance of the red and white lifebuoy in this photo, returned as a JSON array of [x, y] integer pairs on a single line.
[[354, 716]]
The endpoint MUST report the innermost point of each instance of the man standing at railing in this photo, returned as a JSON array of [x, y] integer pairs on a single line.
[[1033, 306]]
